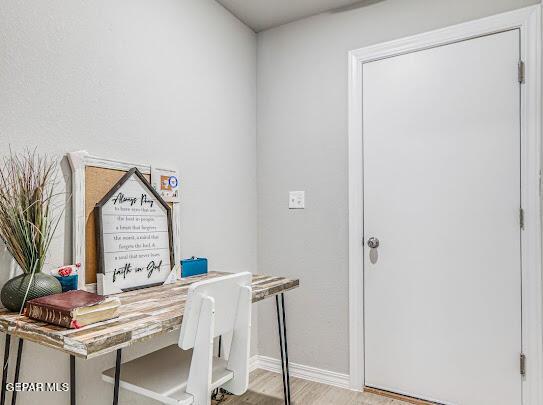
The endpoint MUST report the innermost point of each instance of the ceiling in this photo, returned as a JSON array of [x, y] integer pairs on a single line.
[[263, 14]]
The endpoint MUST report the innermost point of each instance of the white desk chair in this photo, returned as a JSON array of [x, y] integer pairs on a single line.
[[215, 307]]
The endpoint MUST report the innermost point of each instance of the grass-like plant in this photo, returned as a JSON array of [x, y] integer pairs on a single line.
[[28, 217]]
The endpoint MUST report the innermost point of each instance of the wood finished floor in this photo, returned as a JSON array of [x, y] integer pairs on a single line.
[[266, 388]]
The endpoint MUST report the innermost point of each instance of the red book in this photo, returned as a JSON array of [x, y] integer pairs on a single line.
[[73, 309]]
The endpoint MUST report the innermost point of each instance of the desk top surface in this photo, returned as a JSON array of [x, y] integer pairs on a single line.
[[143, 313]]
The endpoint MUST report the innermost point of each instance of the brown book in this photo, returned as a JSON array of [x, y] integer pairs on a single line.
[[73, 309]]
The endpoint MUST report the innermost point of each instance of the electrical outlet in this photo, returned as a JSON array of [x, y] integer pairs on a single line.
[[296, 200]]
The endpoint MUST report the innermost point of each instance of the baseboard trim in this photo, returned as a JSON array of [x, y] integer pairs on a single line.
[[301, 371], [253, 363]]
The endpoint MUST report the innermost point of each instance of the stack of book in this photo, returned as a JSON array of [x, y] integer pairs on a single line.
[[73, 309]]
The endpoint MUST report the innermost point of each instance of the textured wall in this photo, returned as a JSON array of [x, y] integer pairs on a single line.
[[167, 82], [302, 145]]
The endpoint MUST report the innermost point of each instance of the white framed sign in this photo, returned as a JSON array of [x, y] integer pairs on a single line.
[[81, 161], [134, 236]]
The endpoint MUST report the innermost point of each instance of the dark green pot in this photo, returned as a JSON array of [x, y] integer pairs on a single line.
[[13, 292]]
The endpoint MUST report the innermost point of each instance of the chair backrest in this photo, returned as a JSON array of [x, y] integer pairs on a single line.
[[226, 292], [214, 307]]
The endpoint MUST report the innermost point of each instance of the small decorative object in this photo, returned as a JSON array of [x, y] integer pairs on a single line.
[[28, 220], [193, 266], [67, 276], [166, 183], [134, 234]]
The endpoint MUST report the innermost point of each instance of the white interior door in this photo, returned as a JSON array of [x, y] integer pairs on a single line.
[[441, 133]]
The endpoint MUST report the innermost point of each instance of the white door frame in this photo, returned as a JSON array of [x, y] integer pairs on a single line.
[[527, 20]]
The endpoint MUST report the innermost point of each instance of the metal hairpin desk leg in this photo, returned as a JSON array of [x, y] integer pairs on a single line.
[[117, 377], [282, 327], [216, 391], [5, 369], [286, 348], [72, 380], [17, 369]]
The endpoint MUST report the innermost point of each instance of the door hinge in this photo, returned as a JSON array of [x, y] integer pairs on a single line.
[[521, 72], [522, 364], [521, 218]]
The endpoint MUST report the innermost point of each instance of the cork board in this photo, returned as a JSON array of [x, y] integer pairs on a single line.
[[98, 181]]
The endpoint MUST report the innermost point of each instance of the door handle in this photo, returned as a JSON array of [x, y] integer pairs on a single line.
[[373, 243]]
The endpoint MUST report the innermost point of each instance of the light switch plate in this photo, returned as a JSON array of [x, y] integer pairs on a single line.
[[296, 200]]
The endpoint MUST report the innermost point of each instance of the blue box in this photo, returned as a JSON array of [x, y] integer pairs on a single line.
[[68, 283], [193, 266]]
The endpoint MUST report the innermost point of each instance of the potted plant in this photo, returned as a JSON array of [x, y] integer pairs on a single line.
[[28, 220]]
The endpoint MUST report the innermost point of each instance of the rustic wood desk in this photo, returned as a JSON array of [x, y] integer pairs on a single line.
[[143, 314]]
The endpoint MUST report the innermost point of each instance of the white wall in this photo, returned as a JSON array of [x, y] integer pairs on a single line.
[[167, 82], [302, 145]]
